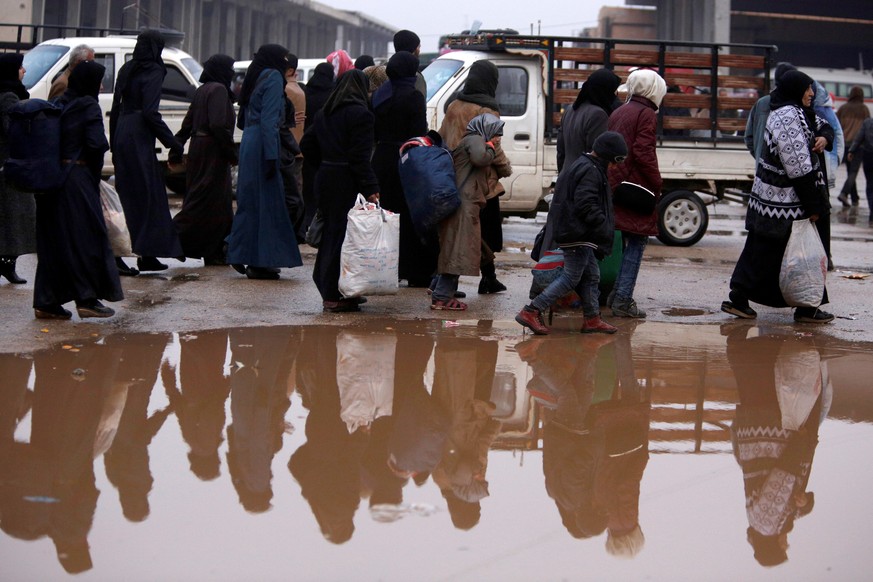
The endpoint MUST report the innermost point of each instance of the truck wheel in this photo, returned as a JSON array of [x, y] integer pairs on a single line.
[[682, 218]]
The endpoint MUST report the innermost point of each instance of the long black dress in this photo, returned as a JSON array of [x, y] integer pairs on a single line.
[[135, 123], [75, 261], [401, 115], [340, 143], [207, 211]]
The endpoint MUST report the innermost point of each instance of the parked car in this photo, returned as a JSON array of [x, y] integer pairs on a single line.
[[45, 62]]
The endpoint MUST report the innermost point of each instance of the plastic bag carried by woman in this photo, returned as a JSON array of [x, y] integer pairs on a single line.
[[370, 252], [116, 225], [804, 266]]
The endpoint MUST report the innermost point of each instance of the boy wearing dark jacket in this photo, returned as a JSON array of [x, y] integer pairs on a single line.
[[584, 223]]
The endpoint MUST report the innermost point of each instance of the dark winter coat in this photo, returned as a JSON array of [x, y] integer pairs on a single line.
[[582, 207], [637, 122], [340, 146], [75, 261], [579, 128], [17, 209], [134, 125]]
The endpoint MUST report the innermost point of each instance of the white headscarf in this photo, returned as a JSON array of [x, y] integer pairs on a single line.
[[646, 83]]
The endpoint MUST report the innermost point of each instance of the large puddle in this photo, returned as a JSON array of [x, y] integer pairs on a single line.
[[434, 450]]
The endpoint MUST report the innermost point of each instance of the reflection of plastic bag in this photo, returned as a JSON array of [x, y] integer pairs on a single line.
[[798, 383], [804, 266], [110, 416], [365, 376], [116, 226], [370, 252]]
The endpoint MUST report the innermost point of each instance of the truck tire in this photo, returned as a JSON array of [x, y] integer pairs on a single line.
[[682, 218]]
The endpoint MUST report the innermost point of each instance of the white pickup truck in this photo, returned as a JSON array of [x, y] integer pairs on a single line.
[[700, 145]]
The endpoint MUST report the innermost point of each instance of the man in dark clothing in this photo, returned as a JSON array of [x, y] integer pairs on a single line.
[[584, 223]]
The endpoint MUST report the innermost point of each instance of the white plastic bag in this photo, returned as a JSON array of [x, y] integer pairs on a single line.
[[798, 378], [365, 376], [116, 225], [370, 251], [804, 266]]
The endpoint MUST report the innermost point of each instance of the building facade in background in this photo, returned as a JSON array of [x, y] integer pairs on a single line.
[[234, 27]]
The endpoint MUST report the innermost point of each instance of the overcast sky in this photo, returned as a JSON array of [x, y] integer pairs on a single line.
[[432, 18]]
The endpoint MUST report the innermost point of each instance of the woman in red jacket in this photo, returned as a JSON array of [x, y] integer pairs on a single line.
[[636, 121]]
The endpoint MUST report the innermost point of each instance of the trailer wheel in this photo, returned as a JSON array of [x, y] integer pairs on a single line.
[[682, 218]]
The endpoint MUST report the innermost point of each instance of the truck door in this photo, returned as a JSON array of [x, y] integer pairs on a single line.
[[517, 95]]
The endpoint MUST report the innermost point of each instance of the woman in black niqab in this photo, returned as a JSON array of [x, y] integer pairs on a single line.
[[269, 56], [481, 85], [600, 90], [10, 65], [352, 87], [85, 81], [218, 69], [146, 55]]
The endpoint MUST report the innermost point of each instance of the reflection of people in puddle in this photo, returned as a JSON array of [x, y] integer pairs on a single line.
[[563, 379], [259, 397], [15, 398], [595, 447], [199, 399], [327, 466], [48, 485], [127, 460], [461, 471], [775, 433], [408, 443]]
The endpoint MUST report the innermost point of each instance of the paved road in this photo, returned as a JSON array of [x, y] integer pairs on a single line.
[[684, 285]]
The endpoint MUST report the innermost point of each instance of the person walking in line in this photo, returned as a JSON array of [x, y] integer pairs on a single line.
[[787, 187], [460, 234], [339, 144], [79, 54], [17, 209], [317, 89], [636, 121], [207, 209], [852, 115], [588, 117], [262, 238], [134, 125], [479, 96], [74, 259], [583, 227], [862, 147], [400, 115]]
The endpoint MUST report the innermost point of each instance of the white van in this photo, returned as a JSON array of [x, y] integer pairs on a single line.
[[46, 61], [839, 82]]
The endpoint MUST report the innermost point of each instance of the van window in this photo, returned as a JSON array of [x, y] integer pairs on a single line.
[[108, 61], [39, 60], [512, 91], [176, 87], [438, 73]]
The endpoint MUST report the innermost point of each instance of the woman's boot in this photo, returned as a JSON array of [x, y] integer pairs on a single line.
[[489, 283], [7, 269]]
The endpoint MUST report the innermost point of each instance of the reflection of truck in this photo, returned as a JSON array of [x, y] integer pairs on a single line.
[[539, 76]]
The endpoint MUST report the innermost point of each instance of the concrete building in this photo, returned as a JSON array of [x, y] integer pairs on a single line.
[[235, 27]]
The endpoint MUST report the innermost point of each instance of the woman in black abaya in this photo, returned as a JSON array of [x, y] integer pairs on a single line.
[[207, 211], [134, 125], [75, 262]]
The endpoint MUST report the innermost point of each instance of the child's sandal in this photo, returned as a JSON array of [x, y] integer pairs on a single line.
[[450, 305]]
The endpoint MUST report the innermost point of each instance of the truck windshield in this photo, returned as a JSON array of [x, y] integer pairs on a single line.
[[193, 67], [438, 73], [39, 60]]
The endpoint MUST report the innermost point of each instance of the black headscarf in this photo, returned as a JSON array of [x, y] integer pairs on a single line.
[[364, 61], [218, 69], [599, 90], [10, 64], [322, 77], [146, 54], [352, 87], [790, 89], [85, 80], [481, 85], [401, 70], [269, 56]]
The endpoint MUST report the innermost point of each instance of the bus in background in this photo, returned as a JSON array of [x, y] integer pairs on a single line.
[[839, 82]]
